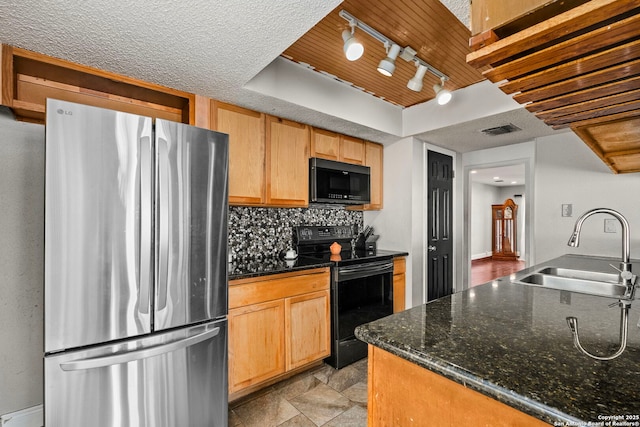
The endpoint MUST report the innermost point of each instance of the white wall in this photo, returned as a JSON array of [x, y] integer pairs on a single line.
[[21, 263], [394, 222], [482, 197], [401, 223], [567, 171], [463, 107]]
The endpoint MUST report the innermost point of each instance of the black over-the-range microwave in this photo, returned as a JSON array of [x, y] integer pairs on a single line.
[[338, 182]]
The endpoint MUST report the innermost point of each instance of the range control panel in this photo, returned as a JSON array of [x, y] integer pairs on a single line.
[[319, 233]]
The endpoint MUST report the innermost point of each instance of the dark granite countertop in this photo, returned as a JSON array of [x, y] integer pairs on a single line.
[[511, 342], [271, 265], [274, 265]]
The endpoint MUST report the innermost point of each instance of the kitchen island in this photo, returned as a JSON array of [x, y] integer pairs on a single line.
[[501, 354]]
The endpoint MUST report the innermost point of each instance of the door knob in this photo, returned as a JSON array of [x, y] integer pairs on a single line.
[[431, 248]]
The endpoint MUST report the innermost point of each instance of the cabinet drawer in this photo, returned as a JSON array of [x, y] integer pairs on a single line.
[[255, 290]]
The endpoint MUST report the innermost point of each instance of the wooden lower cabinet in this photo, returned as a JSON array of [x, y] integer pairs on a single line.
[[278, 324], [399, 283], [257, 353], [307, 331], [402, 393]]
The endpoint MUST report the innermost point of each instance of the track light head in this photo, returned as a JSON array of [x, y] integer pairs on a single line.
[[443, 96], [388, 65], [353, 49], [415, 84]]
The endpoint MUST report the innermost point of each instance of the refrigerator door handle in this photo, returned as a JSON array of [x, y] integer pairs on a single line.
[[146, 216], [162, 203], [115, 359]]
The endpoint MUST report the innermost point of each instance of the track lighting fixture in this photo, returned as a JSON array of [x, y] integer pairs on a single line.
[[354, 50], [443, 96], [388, 65], [415, 84]]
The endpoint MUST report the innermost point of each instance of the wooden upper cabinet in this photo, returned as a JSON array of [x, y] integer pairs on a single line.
[[352, 150], [287, 163], [29, 78], [325, 144], [334, 146], [246, 151], [374, 159]]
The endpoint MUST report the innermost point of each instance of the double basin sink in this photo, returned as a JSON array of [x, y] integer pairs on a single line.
[[581, 281]]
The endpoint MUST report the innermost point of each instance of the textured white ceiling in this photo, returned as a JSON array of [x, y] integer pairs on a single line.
[[502, 176], [467, 136], [211, 48], [208, 47], [461, 9]]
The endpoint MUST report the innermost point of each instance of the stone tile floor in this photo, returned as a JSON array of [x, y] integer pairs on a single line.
[[322, 396]]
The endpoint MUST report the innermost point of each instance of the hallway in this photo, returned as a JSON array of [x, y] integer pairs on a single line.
[[485, 269]]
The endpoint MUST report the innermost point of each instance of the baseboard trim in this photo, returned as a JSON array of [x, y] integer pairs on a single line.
[[480, 256], [28, 417]]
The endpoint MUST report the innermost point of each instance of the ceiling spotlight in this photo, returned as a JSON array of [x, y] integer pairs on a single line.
[[388, 65], [443, 95], [353, 49], [415, 84]]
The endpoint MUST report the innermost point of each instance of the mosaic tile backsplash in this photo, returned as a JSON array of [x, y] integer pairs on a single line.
[[261, 233]]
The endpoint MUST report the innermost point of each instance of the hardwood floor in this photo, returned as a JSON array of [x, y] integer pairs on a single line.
[[485, 269]]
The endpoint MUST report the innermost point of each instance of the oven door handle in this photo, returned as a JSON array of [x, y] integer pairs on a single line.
[[368, 269]]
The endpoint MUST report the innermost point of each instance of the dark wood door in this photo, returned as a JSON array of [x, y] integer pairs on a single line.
[[440, 217]]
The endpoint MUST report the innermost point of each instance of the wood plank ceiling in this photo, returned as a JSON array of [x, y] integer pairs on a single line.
[[580, 70], [427, 26]]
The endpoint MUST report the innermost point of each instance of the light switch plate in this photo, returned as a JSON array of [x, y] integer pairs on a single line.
[[610, 226], [567, 209]]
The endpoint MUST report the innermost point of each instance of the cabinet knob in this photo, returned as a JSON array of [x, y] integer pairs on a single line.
[[431, 248]]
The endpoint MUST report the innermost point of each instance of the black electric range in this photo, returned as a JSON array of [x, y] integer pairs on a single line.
[[313, 242], [361, 285]]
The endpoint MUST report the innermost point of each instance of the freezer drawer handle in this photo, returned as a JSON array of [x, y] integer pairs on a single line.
[[131, 356]]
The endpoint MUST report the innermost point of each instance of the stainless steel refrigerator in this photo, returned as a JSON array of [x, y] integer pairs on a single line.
[[135, 271]]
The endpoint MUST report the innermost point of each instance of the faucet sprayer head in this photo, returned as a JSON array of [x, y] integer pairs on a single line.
[[574, 240]]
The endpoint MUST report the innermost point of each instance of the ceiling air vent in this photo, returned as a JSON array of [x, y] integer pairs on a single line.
[[501, 130]]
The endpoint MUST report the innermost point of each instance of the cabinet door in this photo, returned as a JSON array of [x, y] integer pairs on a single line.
[[287, 163], [307, 328], [325, 144], [352, 150], [256, 344], [373, 159], [399, 284], [246, 152]]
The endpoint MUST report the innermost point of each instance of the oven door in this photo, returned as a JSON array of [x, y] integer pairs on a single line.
[[361, 293]]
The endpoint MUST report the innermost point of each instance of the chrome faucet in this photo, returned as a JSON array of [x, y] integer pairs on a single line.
[[626, 277]]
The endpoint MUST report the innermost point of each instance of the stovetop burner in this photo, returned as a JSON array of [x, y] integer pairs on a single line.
[[313, 242]]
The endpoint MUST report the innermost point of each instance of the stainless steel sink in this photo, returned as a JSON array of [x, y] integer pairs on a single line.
[[581, 274], [581, 281]]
